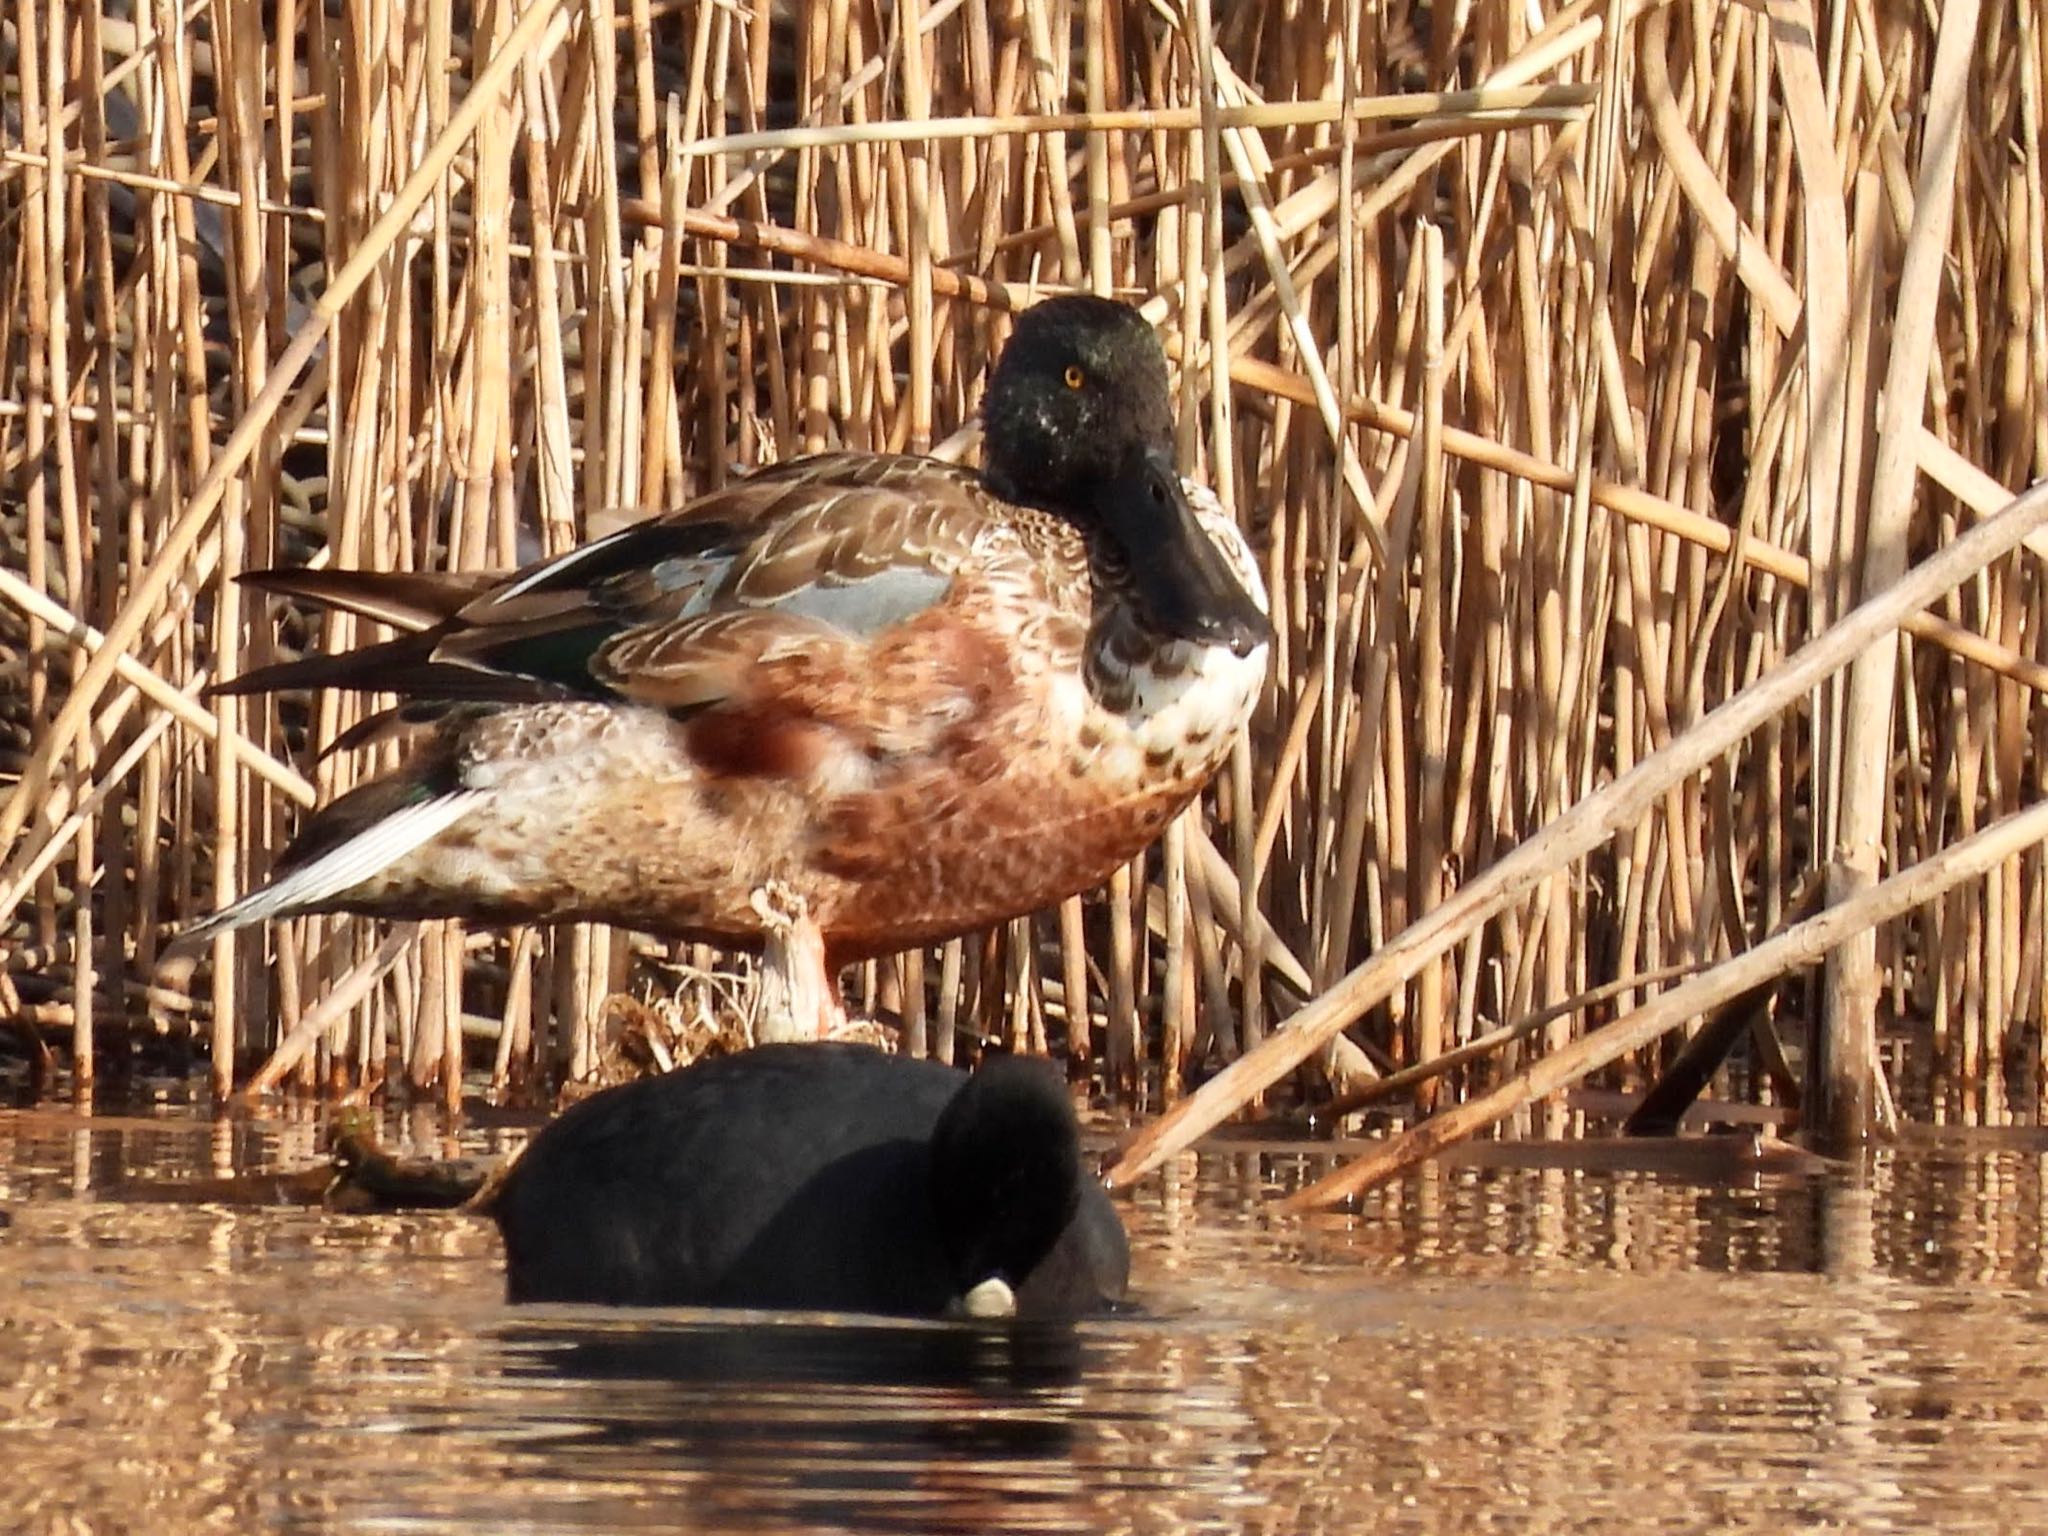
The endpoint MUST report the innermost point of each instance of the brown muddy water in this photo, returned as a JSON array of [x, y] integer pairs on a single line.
[[1478, 1349]]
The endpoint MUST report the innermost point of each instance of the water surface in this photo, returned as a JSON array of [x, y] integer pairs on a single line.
[[1475, 1350]]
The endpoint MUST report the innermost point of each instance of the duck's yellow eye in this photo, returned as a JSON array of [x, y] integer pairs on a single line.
[[1075, 377]]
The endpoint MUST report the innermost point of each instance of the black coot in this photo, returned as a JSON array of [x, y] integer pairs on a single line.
[[818, 1176]]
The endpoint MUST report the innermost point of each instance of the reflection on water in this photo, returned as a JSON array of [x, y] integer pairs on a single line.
[[776, 1424], [1504, 1350]]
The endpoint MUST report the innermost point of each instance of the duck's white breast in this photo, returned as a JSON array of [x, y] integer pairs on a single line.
[[1184, 701]]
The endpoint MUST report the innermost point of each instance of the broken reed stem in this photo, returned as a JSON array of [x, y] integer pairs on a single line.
[[1501, 103], [1394, 1084], [1797, 946]]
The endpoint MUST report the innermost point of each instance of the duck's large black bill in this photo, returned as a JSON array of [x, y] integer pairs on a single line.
[[1184, 584]]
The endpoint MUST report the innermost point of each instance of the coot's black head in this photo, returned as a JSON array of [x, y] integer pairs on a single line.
[[1078, 419], [1007, 1191]]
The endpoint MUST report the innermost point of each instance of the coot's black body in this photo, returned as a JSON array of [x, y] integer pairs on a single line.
[[816, 1176]]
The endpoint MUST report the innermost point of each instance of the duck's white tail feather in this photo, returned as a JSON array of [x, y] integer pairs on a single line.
[[345, 865]]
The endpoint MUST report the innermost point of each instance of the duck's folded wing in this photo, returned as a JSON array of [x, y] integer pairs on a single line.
[[816, 556], [673, 612]]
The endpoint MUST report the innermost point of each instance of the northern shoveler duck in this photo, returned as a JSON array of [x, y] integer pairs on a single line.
[[910, 698]]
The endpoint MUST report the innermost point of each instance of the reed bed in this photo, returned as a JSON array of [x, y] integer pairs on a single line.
[[1570, 370]]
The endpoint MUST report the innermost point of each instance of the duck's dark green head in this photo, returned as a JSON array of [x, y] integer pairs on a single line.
[[1078, 420]]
